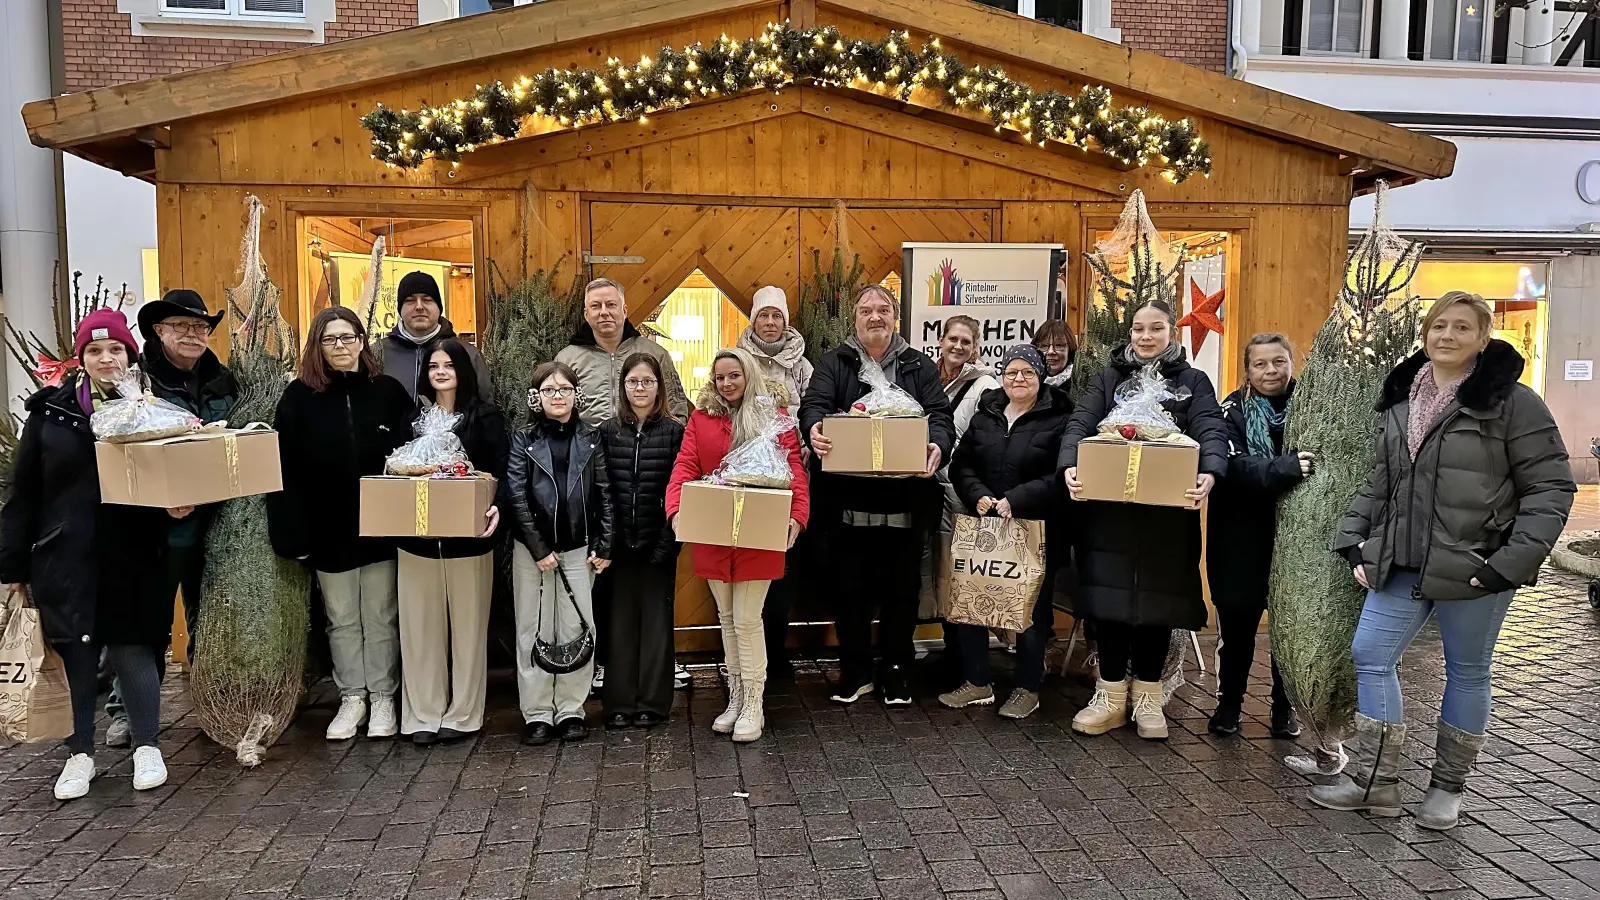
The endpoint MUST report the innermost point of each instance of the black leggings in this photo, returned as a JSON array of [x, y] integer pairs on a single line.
[[1137, 649], [1236, 628], [136, 668]]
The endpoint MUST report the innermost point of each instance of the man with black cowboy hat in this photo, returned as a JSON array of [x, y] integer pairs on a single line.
[[421, 327], [182, 370]]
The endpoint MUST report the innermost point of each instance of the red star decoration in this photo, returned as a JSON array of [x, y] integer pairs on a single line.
[[1202, 318]]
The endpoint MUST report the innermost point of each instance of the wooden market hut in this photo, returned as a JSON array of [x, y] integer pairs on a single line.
[[733, 190]]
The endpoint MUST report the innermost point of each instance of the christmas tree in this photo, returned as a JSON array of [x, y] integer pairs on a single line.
[[1315, 601], [1133, 266], [826, 318], [251, 648]]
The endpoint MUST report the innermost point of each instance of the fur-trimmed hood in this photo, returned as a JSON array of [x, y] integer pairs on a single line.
[[711, 403], [1492, 380]]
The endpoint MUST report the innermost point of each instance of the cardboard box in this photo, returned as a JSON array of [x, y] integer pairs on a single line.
[[895, 445], [1137, 471], [733, 516], [421, 506], [191, 469]]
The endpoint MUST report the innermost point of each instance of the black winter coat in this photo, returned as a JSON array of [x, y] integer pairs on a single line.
[[95, 571], [482, 431], [536, 499], [1016, 462], [327, 441], [407, 361], [1487, 496], [1139, 564], [638, 464], [1243, 513], [835, 386]]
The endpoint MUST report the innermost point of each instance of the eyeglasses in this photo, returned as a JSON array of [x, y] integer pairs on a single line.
[[551, 393], [199, 329], [1024, 375], [640, 384], [340, 340], [1054, 348]]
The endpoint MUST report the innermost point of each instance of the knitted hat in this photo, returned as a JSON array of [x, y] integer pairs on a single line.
[[104, 324], [1029, 354], [418, 283], [773, 297]]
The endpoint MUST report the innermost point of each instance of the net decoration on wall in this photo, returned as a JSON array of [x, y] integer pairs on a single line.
[[251, 647], [1149, 266], [1315, 601], [782, 56]]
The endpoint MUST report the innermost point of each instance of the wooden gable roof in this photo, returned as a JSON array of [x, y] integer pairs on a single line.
[[122, 126]]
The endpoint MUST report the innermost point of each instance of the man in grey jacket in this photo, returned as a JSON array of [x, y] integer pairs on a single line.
[[602, 344], [422, 326]]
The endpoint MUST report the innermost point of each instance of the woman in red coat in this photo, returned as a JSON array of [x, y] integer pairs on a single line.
[[728, 413]]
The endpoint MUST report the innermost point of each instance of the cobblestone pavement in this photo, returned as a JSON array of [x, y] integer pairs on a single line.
[[840, 803]]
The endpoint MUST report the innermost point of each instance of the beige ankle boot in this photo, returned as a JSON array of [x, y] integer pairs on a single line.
[[752, 716], [1107, 709], [1148, 699], [724, 722]]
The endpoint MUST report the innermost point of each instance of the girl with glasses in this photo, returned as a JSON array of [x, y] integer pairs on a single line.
[[337, 422], [638, 447], [561, 507]]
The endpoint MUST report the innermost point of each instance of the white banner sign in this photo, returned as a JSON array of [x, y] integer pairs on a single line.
[[1011, 289]]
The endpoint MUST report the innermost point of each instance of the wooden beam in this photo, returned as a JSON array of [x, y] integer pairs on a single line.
[[73, 119], [432, 231], [958, 137], [568, 144], [1160, 79], [803, 13], [158, 137]]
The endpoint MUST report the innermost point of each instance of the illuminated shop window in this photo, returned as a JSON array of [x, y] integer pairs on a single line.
[[1517, 291]]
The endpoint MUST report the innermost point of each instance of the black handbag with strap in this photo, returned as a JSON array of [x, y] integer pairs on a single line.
[[562, 657]]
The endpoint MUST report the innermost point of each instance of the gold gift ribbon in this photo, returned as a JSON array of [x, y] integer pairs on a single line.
[[133, 478], [1130, 486], [877, 445], [738, 513], [230, 449], [422, 507]]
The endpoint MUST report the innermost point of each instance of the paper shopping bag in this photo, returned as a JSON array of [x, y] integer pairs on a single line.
[[996, 571], [35, 704]]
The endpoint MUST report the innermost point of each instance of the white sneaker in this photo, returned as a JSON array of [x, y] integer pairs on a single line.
[[352, 715], [383, 723], [119, 733], [149, 769], [599, 678], [75, 777], [680, 678]]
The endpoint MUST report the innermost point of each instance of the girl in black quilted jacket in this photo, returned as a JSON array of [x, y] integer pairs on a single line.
[[638, 447]]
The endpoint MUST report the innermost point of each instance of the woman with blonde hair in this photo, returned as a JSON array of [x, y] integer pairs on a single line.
[[733, 408], [1471, 489]]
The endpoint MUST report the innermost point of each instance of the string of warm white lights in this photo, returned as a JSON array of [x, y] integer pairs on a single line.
[[780, 57]]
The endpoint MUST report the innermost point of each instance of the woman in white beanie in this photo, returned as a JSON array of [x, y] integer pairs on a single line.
[[780, 353], [778, 348]]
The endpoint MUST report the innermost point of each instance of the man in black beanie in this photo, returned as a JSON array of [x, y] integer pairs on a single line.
[[422, 325]]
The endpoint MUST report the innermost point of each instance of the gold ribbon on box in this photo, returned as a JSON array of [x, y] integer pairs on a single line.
[[422, 507], [877, 445], [1130, 486], [738, 513], [230, 450]]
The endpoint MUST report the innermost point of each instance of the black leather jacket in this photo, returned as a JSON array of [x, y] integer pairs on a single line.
[[536, 499]]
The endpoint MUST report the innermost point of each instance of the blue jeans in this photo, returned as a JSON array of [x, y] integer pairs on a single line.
[[1390, 620]]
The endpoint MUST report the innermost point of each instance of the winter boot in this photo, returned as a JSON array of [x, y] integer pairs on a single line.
[[1372, 781], [1107, 709], [724, 723], [1148, 699], [752, 715], [1454, 752]]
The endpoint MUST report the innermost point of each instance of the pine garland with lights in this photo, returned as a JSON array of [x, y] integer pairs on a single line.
[[780, 57]]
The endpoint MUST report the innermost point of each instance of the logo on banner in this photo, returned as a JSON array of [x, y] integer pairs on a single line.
[[944, 286]]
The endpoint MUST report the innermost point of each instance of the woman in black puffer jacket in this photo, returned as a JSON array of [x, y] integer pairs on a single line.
[[639, 447], [1006, 465], [1138, 565], [446, 583]]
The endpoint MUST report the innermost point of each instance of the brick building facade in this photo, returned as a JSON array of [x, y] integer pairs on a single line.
[[1191, 31], [101, 48]]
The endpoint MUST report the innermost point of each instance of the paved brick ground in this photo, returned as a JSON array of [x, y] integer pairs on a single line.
[[836, 803]]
